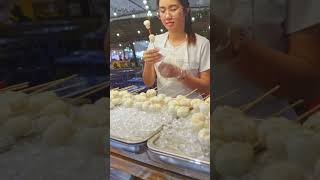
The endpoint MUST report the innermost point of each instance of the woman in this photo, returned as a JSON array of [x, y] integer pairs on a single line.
[[190, 51], [283, 49]]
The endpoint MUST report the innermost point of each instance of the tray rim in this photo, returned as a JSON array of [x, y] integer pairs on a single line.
[[153, 148], [133, 142]]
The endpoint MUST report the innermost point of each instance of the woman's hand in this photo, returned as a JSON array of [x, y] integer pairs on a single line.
[[151, 56], [169, 71], [237, 36]]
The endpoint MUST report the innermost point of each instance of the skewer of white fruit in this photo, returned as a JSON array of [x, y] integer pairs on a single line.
[[91, 139], [138, 105], [182, 111], [57, 106], [43, 122], [155, 107], [41, 100], [281, 171], [146, 105], [5, 113], [313, 122], [128, 103], [17, 126], [198, 120], [234, 159], [58, 133], [303, 149], [204, 136], [147, 24], [151, 93], [91, 115]]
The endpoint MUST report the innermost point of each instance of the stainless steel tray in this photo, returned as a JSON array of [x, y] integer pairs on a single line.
[[135, 146], [177, 159]]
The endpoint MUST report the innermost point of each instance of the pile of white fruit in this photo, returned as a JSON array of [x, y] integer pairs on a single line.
[[193, 114], [49, 117], [292, 150]]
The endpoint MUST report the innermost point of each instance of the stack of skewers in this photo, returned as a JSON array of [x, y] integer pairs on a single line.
[[29, 113], [245, 147], [136, 115]]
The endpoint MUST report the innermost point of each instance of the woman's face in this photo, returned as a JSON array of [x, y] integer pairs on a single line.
[[172, 15]]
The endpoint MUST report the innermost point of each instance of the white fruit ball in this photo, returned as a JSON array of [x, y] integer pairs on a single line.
[[234, 159], [183, 111]]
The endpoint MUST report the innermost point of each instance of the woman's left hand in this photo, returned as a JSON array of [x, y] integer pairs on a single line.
[[169, 71]]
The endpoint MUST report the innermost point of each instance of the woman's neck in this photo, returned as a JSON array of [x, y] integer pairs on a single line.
[[177, 37]]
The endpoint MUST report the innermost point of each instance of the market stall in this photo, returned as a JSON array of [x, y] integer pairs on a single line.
[[154, 135]]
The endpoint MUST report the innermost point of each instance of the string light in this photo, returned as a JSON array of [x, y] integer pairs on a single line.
[[193, 19], [115, 14], [120, 46], [147, 7], [161, 30], [118, 34], [138, 32], [149, 13], [133, 15], [144, 1]]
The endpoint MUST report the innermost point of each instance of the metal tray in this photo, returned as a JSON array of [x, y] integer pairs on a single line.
[[136, 146], [177, 159]]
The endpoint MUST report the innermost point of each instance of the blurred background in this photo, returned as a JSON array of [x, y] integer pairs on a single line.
[[129, 37], [42, 40]]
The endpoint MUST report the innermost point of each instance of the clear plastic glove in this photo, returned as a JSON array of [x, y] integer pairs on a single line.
[[152, 56], [169, 71]]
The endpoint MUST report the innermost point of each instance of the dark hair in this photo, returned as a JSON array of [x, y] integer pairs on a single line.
[[188, 22]]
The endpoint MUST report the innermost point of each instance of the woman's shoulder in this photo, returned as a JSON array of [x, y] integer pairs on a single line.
[[201, 39], [161, 36]]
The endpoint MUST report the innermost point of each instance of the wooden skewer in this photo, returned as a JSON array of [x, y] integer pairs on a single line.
[[84, 90], [288, 107], [91, 92], [226, 95], [53, 84], [137, 90], [191, 92], [67, 87], [126, 88], [40, 85], [248, 106], [302, 117], [36, 87], [19, 88], [14, 86]]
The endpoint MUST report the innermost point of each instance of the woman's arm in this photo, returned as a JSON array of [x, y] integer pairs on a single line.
[[298, 72], [150, 57], [202, 83], [149, 74]]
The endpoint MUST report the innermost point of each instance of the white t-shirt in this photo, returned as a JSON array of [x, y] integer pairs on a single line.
[[193, 58]]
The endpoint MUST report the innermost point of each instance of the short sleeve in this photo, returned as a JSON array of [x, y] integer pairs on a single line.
[[205, 56]]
